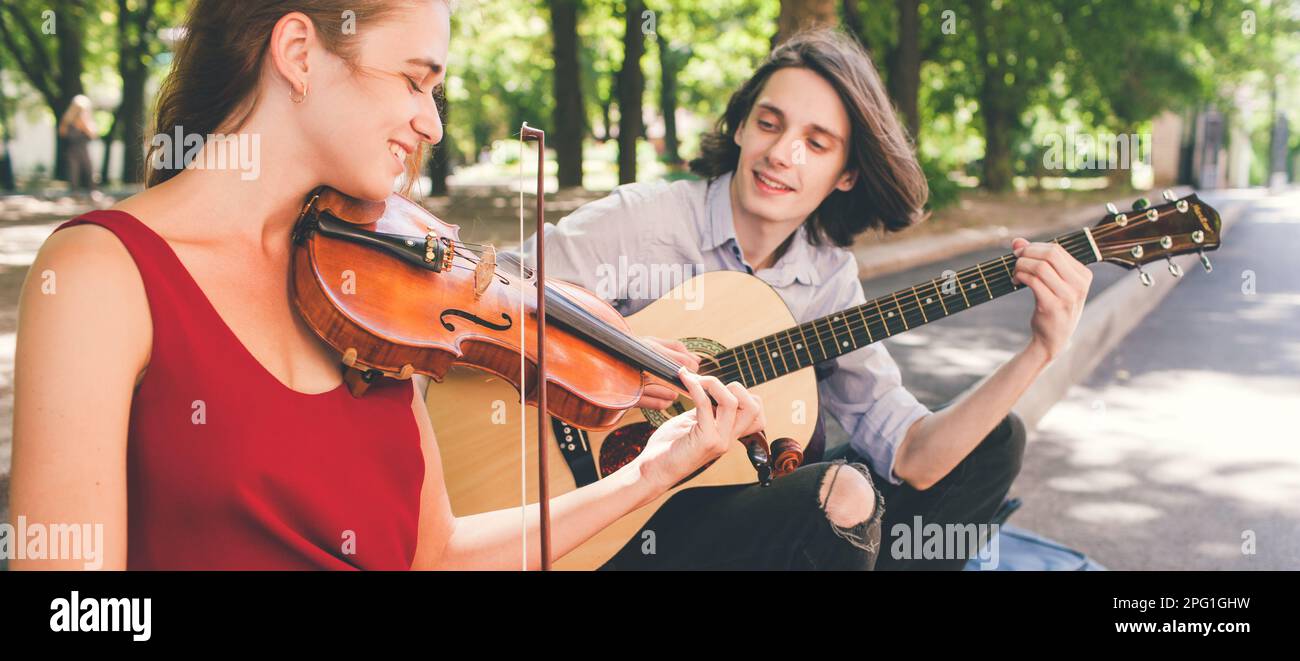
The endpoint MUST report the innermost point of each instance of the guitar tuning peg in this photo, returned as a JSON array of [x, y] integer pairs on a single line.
[[1205, 261], [1111, 209], [1169, 195], [1144, 277], [1141, 203], [1174, 269]]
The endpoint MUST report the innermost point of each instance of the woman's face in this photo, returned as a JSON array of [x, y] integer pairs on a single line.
[[364, 125]]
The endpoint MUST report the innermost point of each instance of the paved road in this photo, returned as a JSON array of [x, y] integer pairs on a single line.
[[1184, 443]]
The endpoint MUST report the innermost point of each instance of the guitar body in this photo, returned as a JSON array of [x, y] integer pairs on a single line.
[[477, 418]]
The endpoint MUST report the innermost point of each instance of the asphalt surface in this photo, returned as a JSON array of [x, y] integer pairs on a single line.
[[1182, 449]]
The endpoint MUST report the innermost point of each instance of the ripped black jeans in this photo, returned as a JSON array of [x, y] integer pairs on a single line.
[[782, 526], [966, 497]]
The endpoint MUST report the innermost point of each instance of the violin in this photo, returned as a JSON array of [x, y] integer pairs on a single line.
[[395, 291]]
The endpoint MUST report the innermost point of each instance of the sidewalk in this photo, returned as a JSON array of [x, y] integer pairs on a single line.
[[1181, 450]]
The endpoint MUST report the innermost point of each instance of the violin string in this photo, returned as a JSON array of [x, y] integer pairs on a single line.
[[523, 440]]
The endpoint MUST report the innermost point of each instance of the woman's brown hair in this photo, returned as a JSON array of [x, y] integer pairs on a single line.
[[891, 190], [212, 83]]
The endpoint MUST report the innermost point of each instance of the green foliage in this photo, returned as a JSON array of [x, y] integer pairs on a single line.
[[944, 191]]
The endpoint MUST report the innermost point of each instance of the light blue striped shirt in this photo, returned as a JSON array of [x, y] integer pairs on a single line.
[[644, 239]]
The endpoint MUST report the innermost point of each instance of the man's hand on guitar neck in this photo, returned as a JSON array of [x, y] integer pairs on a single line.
[[656, 394], [1060, 285], [936, 443]]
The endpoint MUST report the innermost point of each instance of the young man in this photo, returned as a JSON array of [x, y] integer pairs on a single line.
[[808, 155]]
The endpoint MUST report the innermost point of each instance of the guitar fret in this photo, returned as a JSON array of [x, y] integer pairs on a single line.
[[988, 291], [781, 352], [900, 312], [925, 317], [818, 334], [1010, 277], [843, 346], [865, 323], [750, 379], [806, 347], [883, 320], [794, 353], [939, 295]]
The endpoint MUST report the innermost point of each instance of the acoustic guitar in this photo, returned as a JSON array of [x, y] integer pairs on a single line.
[[744, 332]]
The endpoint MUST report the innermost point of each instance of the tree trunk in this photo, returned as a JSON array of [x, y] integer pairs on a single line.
[[108, 137], [440, 160], [799, 14], [606, 107], [670, 62], [70, 25], [7, 180], [631, 86], [569, 110], [905, 66], [997, 146]]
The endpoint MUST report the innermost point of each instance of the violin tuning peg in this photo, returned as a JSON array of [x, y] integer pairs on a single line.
[[1174, 269], [1205, 261], [1110, 208], [1141, 203], [1144, 277]]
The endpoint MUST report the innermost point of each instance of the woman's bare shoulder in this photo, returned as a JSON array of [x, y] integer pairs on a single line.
[[84, 277]]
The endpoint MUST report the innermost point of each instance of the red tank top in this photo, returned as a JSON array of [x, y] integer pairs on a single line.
[[228, 468]]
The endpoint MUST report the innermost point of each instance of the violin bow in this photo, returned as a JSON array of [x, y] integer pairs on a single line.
[[528, 133]]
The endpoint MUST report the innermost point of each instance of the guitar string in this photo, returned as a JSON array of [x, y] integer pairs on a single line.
[[788, 348], [752, 354]]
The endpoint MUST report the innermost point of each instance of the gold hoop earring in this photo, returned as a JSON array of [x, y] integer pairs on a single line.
[[299, 98]]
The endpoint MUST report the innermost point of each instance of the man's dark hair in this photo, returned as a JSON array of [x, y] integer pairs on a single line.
[[890, 191]]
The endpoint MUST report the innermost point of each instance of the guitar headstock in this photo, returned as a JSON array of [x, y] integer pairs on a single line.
[[1146, 234]]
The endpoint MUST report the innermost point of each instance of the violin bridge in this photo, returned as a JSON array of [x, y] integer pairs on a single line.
[[486, 269]]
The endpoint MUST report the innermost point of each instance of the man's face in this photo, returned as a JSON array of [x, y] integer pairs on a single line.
[[793, 148]]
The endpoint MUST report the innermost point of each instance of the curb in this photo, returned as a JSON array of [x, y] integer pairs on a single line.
[[878, 260], [1107, 320]]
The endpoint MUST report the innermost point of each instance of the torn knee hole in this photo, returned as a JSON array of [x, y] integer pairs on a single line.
[[847, 496]]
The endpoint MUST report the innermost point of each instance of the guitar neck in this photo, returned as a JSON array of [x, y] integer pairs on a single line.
[[834, 335]]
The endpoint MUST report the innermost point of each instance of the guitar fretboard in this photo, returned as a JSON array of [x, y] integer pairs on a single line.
[[836, 334]]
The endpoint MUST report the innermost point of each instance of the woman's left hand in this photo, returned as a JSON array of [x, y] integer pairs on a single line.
[[655, 394]]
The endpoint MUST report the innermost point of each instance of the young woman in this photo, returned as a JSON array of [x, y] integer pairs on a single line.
[[165, 387], [78, 128]]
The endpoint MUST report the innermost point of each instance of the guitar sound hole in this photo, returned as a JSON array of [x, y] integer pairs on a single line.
[[627, 443], [622, 446]]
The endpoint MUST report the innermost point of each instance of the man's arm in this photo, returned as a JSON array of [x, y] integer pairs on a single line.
[[934, 445]]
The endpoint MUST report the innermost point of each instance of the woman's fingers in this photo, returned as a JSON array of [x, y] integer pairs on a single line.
[[703, 406], [725, 412], [749, 410], [675, 350]]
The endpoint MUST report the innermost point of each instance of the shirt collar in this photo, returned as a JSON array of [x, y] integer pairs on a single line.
[[797, 262]]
